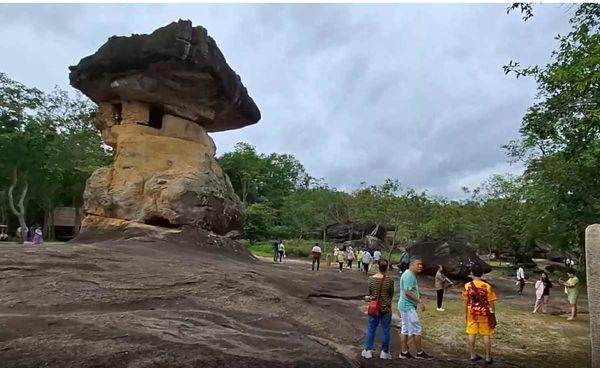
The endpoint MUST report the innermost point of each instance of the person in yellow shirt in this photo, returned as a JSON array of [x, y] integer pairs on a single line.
[[341, 258], [479, 297]]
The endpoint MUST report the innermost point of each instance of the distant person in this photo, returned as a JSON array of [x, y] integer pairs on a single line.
[[407, 305], [376, 256], [359, 259], [405, 262], [542, 292], [341, 259], [349, 257], [441, 282], [572, 289], [520, 279], [38, 237], [479, 299], [276, 249], [381, 288], [366, 261], [316, 256], [281, 251]]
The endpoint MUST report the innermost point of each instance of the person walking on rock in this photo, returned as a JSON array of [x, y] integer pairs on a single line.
[[359, 259], [381, 288], [520, 279], [275, 250], [441, 282], [281, 249], [542, 291], [407, 305], [349, 257], [376, 256], [479, 299], [572, 289], [316, 256], [341, 259], [366, 261]]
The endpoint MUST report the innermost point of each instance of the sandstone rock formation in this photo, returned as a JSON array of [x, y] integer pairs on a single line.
[[454, 253], [158, 96]]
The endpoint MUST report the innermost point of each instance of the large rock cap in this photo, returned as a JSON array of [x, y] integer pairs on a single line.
[[177, 67]]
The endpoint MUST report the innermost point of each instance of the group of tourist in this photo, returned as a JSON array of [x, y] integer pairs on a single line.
[[478, 296], [542, 290], [33, 234]]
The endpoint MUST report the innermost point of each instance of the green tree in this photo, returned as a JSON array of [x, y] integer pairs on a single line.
[[560, 133]]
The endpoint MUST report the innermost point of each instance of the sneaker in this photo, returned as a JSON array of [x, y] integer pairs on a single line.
[[423, 355], [440, 309], [385, 355], [491, 361], [405, 355], [367, 354]]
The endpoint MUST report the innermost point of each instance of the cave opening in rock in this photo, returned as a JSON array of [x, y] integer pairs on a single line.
[[160, 221], [156, 116], [117, 110]]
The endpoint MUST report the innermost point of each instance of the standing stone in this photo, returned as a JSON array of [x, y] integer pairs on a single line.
[[592, 261], [158, 96]]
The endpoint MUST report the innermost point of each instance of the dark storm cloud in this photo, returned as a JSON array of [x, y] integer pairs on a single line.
[[356, 92]]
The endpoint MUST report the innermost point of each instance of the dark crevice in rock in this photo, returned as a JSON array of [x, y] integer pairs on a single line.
[[161, 222]]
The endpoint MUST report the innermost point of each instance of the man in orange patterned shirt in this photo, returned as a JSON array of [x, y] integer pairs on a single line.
[[479, 308]]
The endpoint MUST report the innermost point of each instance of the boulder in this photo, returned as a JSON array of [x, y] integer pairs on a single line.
[[456, 254], [177, 69], [158, 96]]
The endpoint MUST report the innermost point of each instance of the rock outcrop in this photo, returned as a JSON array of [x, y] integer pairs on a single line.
[[158, 96], [454, 253]]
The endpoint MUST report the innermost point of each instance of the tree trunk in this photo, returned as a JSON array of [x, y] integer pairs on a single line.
[[592, 253], [396, 227], [21, 212]]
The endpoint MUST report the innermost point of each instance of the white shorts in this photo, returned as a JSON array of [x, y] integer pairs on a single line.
[[411, 326]]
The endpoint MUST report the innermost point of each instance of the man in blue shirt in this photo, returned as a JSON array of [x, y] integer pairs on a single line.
[[407, 305]]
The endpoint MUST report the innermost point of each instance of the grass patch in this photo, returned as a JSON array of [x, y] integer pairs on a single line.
[[520, 337], [293, 248]]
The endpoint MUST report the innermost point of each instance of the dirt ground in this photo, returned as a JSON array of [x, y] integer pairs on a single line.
[[158, 304]]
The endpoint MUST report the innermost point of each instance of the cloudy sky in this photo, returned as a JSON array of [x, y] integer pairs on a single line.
[[355, 92]]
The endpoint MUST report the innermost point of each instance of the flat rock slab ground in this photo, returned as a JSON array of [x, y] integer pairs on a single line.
[[160, 305]]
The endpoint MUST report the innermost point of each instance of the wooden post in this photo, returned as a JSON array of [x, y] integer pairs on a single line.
[[592, 262]]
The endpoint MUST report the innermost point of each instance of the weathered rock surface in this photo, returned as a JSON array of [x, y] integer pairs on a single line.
[[158, 95], [455, 254], [177, 67]]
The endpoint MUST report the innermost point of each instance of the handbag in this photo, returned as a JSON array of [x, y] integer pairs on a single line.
[[373, 309]]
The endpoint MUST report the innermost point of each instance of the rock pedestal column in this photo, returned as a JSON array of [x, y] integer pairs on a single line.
[[158, 96], [592, 262]]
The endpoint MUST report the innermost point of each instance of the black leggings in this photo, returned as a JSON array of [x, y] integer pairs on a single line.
[[366, 267], [349, 263], [440, 297], [341, 265]]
